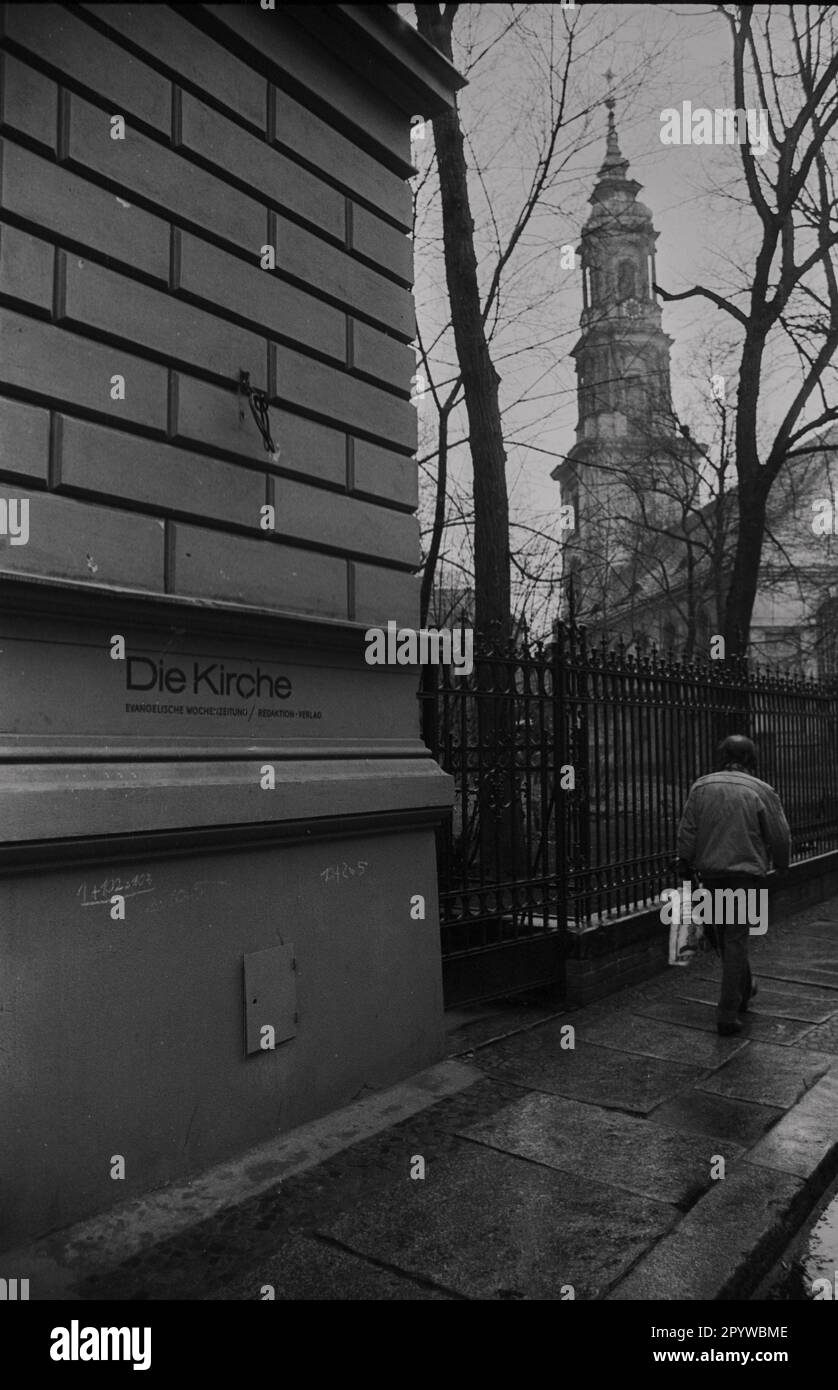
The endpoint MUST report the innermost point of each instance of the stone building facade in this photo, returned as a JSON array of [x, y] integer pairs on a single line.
[[218, 904]]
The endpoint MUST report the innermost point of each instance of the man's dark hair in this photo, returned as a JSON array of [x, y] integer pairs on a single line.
[[736, 748]]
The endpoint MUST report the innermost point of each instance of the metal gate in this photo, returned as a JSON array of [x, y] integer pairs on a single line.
[[501, 734]]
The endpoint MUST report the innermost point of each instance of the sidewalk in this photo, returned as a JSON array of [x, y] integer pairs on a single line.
[[549, 1171]]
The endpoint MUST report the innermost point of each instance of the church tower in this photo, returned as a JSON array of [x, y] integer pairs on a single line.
[[626, 437]]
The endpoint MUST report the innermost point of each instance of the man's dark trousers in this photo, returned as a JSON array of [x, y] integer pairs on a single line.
[[732, 940]]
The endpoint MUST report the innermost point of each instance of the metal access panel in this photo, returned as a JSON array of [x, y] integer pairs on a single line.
[[270, 998]]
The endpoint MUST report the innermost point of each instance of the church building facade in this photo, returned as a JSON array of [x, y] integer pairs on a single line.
[[655, 510]]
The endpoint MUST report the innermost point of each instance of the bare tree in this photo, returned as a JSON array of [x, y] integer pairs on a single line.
[[480, 380], [792, 293], [514, 254]]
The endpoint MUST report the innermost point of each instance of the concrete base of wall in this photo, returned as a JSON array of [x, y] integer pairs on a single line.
[[610, 956], [128, 1065]]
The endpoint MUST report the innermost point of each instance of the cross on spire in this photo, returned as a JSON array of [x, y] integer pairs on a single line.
[[612, 148], [610, 101]]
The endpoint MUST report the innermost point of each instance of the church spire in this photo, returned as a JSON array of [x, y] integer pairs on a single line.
[[622, 355], [614, 165], [613, 147], [624, 442]]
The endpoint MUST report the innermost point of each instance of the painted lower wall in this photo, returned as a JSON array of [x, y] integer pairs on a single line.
[[127, 1037]]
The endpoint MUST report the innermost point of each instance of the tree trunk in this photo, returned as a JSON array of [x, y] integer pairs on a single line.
[[500, 818], [743, 583], [692, 604], [752, 497], [480, 380], [429, 571]]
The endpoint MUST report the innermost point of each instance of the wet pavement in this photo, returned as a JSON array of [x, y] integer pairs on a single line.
[[649, 1159], [808, 1269]]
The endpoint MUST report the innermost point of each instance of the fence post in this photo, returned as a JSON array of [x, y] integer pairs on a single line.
[[560, 743], [581, 762]]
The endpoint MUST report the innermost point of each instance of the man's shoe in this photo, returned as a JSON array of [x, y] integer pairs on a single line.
[[729, 1030]]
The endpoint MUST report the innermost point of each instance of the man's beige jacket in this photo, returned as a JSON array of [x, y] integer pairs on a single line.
[[733, 824]]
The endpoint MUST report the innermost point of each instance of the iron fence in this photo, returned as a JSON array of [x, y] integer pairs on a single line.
[[572, 762]]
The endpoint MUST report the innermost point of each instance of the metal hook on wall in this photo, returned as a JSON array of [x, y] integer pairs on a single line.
[[259, 408]]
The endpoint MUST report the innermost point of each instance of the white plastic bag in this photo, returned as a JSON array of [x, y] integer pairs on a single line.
[[685, 935]]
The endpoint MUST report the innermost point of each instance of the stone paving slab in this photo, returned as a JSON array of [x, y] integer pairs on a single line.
[[769, 1075], [824, 929], [798, 938], [191, 1263], [696, 1112], [779, 969], [311, 1270], [824, 1037], [632, 997], [701, 1014], [683, 1013], [814, 1007], [770, 1028], [765, 1025], [815, 993], [487, 1025], [606, 1146], [774, 998], [631, 1032], [810, 953], [598, 1075], [746, 1217], [493, 1227], [808, 938], [806, 1137]]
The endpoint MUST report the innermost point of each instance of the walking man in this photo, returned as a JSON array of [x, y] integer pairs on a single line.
[[733, 828]]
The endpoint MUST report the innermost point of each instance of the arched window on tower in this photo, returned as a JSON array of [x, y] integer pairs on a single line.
[[626, 281]]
